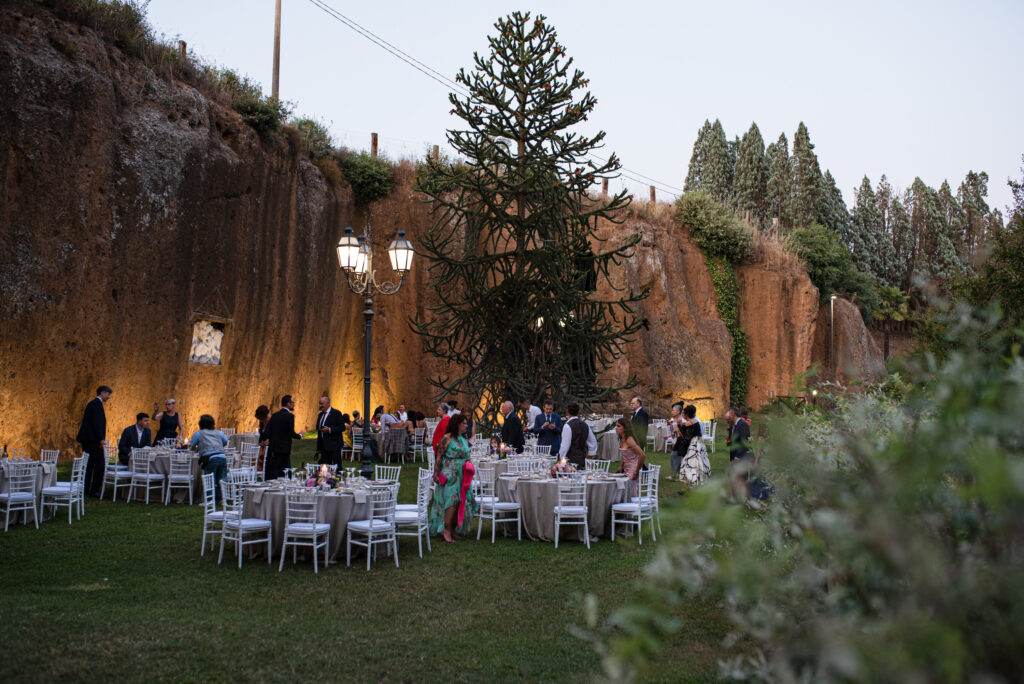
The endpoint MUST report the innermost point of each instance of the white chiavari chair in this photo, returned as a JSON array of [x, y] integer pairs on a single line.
[[597, 464], [430, 458], [242, 531], [70, 494], [115, 474], [379, 528], [302, 528], [415, 518], [418, 446], [248, 457], [213, 520], [21, 491], [357, 444], [652, 497], [709, 434], [640, 508], [143, 475], [572, 506], [180, 476], [49, 456], [498, 512], [228, 432]]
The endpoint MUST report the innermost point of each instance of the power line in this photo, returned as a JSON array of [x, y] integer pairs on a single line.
[[437, 76]]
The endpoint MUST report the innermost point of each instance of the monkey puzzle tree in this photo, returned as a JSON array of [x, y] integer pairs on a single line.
[[527, 306]]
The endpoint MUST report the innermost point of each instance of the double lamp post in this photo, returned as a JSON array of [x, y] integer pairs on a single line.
[[355, 256]]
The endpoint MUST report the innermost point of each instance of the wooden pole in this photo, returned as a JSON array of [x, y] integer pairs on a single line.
[[182, 50], [652, 195], [373, 144], [277, 50], [604, 187]]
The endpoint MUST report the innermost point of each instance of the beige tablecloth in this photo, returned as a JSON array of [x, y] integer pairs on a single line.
[[660, 435], [500, 467], [539, 498], [46, 476], [335, 509], [162, 464], [608, 447]]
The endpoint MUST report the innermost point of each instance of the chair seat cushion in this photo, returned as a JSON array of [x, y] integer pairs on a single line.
[[221, 516], [308, 529], [407, 517], [181, 478], [405, 507], [152, 477], [248, 524], [571, 510], [117, 474], [365, 525], [645, 500], [629, 507], [56, 490], [506, 506], [486, 500], [16, 497]]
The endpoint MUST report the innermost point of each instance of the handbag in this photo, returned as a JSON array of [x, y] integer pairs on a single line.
[[441, 479]]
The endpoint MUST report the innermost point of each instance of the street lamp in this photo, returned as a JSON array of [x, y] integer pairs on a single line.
[[355, 257], [832, 330]]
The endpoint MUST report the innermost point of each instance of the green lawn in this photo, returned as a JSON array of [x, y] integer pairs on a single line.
[[124, 594]]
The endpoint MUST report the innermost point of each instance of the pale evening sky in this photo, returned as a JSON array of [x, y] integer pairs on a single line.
[[903, 88]]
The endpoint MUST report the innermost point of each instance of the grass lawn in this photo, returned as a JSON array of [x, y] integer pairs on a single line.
[[124, 594]]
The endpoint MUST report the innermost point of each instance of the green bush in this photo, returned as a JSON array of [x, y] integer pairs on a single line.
[[727, 300], [370, 177], [890, 550], [314, 137], [717, 231], [831, 269], [122, 22]]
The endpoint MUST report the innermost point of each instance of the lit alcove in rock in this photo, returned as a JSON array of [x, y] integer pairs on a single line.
[[207, 342]]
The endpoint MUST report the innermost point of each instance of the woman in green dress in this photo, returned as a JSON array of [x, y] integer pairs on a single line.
[[453, 506]]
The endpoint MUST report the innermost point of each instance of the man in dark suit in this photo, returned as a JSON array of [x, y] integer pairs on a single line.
[[330, 433], [741, 461], [279, 433], [133, 437], [640, 421], [548, 427], [92, 434], [512, 428]]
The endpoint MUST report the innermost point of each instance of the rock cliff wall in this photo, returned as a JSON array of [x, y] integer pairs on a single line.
[[132, 207]]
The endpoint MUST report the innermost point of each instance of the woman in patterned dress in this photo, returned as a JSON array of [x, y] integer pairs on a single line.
[[453, 505], [631, 456]]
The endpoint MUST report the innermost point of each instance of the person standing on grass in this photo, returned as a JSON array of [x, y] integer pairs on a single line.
[[740, 458], [512, 428], [209, 443], [442, 425], [453, 505], [548, 427], [278, 435], [639, 421], [92, 435], [578, 440], [330, 433]]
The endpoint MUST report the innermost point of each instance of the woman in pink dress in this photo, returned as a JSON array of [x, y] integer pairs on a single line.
[[631, 456]]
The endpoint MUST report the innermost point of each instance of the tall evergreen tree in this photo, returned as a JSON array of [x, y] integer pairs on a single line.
[[955, 228], [831, 210], [698, 159], [780, 181], [807, 180], [889, 270], [514, 259], [902, 242], [717, 173], [750, 182], [934, 257], [977, 215], [866, 237]]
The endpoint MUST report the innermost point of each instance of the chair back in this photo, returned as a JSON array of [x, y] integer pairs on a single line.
[[142, 461], [572, 491], [49, 456], [430, 458], [181, 465], [300, 506], [424, 490], [382, 501], [209, 495], [655, 477], [241, 475], [386, 472], [598, 465], [520, 466], [483, 480], [542, 449], [228, 431], [110, 456], [249, 455], [21, 477], [78, 474], [233, 495], [357, 439]]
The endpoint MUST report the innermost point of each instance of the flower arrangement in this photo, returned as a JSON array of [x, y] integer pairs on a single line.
[[562, 465], [501, 451], [323, 476]]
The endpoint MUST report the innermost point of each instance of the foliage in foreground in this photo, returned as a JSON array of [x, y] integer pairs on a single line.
[[893, 548]]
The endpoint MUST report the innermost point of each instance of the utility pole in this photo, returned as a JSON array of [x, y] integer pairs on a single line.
[[277, 49]]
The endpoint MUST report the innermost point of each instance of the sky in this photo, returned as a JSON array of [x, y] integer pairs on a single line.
[[899, 88]]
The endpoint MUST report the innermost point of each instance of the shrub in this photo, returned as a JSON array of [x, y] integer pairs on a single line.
[[329, 168], [890, 550], [831, 269], [122, 22], [370, 177], [717, 231], [315, 137]]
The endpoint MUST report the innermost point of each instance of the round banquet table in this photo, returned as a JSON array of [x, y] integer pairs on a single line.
[[333, 508], [538, 498], [608, 447], [660, 435], [162, 464], [46, 476]]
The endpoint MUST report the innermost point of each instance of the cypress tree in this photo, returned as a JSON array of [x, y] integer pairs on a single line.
[[865, 237], [750, 182], [933, 257], [888, 269], [977, 216], [526, 305], [955, 219], [901, 268], [716, 178], [807, 180], [695, 172], [831, 210], [780, 181]]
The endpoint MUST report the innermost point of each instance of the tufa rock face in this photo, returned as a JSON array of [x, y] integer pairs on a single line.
[[857, 357], [778, 312]]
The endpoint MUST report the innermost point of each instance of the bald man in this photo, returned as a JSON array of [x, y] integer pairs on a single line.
[[512, 428]]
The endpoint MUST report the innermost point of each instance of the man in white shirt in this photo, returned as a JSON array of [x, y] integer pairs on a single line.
[[451, 408], [530, 412], [390, 419], [403, 415], [578, 440]]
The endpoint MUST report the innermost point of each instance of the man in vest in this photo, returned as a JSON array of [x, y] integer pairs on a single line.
[[577, 439]]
